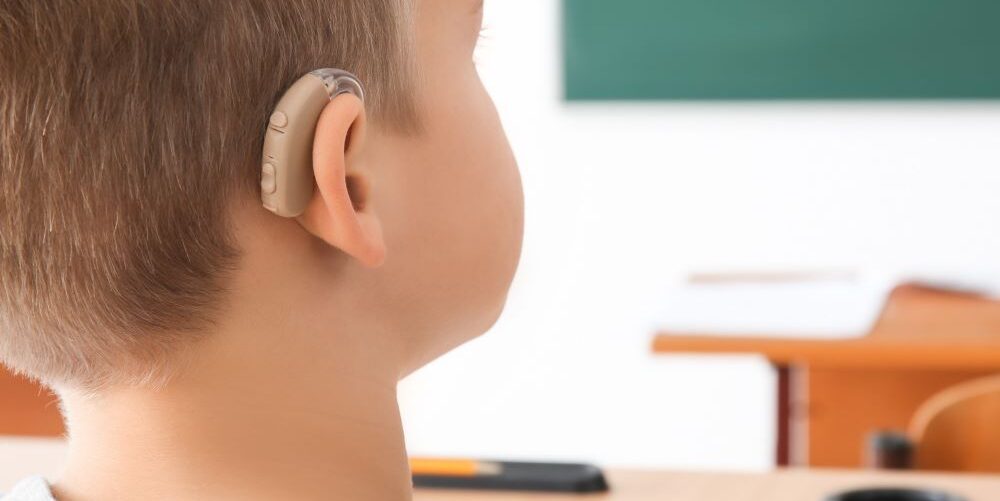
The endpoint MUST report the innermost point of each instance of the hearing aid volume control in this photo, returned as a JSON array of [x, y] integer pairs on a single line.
[[279, 119], [268, 183]]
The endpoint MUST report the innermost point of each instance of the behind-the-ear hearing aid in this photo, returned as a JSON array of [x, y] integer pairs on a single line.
[[286, 174]]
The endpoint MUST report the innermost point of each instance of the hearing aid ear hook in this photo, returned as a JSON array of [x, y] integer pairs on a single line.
[[286, 174]]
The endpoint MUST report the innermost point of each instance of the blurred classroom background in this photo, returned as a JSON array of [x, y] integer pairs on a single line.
[[725, 202], [627, 199]]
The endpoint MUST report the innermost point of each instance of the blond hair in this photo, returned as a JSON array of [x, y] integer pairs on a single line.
[[126, 128]]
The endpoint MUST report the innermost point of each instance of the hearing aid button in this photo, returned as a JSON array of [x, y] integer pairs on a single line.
[[279, 119], [268, 182]]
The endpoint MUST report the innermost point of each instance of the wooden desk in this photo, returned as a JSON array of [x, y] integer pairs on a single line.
[[790, 485], [832, 393], [20, 457]]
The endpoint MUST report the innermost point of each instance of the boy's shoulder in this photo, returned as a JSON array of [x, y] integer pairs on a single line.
[[33, 488]]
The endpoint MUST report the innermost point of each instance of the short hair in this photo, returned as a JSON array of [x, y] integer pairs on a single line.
[[127, 128]]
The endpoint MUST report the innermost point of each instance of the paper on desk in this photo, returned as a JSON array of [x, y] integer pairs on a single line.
[[822, 309]]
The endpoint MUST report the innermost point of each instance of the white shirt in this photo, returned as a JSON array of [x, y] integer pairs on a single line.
[[30, 489]]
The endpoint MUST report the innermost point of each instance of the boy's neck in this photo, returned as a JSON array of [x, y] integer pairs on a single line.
[[252, 423]]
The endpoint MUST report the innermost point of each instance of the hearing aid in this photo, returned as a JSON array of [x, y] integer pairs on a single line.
[[286, 173]]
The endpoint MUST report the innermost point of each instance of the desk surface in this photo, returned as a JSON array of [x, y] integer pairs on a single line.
[[918, 328], [789, 485], [20, 457], [866, 352]]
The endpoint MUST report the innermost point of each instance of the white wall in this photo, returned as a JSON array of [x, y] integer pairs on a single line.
[[624, 199]]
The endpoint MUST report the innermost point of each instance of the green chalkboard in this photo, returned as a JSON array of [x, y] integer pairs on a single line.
[[781, 49]]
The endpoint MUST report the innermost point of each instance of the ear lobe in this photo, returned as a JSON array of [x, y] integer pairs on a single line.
[[339, 211]]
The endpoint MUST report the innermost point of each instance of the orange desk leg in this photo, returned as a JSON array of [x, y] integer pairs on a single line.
[[783, 444], [791, 444], [843, 405], [26, 408]]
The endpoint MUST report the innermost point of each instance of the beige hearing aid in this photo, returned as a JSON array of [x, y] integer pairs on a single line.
[[286, 174]]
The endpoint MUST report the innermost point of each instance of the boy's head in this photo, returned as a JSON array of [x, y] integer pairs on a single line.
[[130, 141]]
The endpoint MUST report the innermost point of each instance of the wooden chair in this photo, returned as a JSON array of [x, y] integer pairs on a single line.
[[958, 429], [27, 408]]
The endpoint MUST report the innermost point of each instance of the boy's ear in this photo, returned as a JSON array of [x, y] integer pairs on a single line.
[[339, 211]]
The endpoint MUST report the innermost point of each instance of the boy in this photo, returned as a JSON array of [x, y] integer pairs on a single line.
[[203, 347]]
